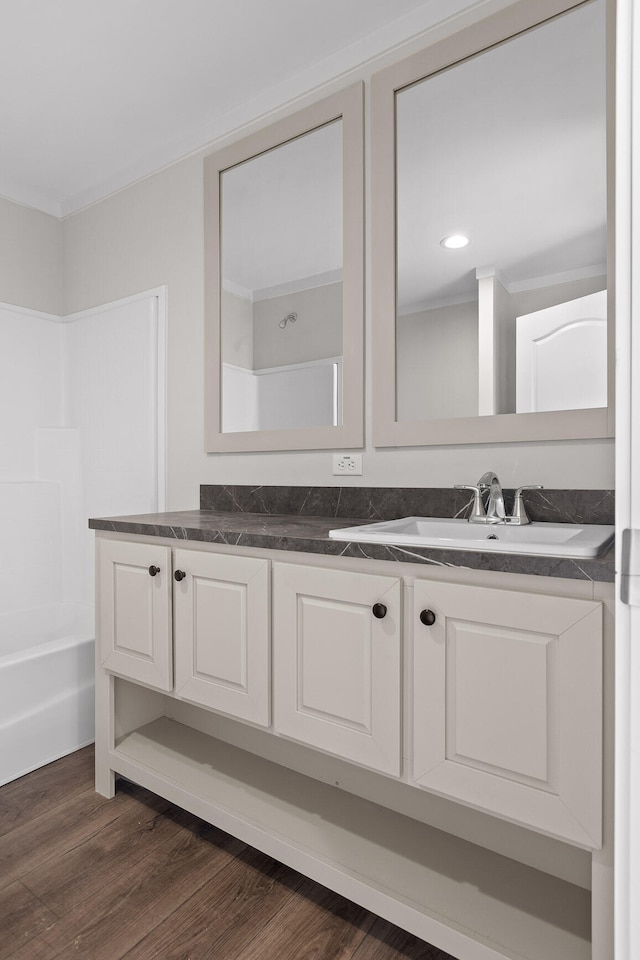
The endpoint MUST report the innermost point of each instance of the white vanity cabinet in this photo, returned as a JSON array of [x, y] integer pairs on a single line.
[[337, 655], [444, 772], [507, 705]]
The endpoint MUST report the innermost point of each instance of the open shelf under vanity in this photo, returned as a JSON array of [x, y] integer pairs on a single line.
[[436, 885]]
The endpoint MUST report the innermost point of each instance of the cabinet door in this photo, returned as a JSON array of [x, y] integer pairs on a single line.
[[221, 609], [336, 665], [507, 705], [134, 613]]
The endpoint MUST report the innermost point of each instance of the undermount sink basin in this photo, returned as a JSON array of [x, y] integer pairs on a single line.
[[536, 539]]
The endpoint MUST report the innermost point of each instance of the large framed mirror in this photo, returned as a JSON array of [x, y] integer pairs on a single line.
[[284, 283], [492, 309]]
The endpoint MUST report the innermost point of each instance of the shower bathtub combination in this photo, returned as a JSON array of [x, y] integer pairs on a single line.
[[77, 441], [46, 685]]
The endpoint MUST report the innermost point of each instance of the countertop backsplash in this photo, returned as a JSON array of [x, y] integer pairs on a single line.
[[389, 503]]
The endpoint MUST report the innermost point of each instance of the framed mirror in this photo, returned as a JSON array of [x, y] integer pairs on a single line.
[[284, 283], [490, 239]]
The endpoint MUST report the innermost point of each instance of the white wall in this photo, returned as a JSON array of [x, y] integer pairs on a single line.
[[316, 334], [152, 233], [30, 258], [237, 330], [437, 363]]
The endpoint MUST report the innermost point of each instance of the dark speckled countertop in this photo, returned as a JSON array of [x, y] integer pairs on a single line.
[[247, 517]]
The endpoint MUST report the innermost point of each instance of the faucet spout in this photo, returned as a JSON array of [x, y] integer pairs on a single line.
[[496, 512]]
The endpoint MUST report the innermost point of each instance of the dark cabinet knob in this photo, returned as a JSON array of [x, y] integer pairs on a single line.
[[153, 570], [427, 617], [379, 611], [179, 575]]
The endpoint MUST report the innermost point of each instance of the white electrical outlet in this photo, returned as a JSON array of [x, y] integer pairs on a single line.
[[347, 464]]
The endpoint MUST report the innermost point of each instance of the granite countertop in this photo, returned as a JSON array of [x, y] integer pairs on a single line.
[[299, 532]]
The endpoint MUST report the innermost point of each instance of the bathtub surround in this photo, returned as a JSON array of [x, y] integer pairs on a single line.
[[78, 421], [46, 683]]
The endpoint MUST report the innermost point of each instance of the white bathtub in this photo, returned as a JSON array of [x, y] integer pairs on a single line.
[[46, 685]]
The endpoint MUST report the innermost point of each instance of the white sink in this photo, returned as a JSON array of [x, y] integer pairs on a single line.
[[536, 539]]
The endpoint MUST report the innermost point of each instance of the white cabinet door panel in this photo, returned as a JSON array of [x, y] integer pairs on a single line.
[[507, 695], [135, 611], [337, 666], [222, 633], [475, 722]]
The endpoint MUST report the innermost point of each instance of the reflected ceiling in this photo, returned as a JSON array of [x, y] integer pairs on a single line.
[[540, 154]]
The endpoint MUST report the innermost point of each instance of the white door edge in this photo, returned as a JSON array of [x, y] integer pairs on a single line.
[[627, 283]]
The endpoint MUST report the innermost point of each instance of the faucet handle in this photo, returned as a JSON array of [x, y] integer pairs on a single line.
[[519, 515], [478, 506], [528, 486]]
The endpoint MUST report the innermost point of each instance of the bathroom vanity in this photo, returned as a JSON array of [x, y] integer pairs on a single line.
[[424, 737], [427, 731]]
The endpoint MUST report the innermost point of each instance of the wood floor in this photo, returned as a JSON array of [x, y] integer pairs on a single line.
[[136, 878]]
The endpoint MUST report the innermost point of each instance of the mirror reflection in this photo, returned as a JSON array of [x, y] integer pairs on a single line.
[[501, 228], [281, 299]]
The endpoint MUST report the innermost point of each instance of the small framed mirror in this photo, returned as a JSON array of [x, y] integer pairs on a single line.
[[284, 283], [491, 254]]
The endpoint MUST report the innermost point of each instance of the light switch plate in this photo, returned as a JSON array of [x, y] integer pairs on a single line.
[[347, 464]]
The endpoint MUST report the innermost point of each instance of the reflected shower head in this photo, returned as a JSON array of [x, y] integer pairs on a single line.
[[290, 318]]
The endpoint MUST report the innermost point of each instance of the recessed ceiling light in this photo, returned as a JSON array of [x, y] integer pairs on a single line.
[[454, 242]]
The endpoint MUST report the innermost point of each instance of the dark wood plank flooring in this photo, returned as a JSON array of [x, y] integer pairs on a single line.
[[136, 878]]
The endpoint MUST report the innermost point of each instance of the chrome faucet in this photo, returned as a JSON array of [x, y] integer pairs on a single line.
[[495, 512]]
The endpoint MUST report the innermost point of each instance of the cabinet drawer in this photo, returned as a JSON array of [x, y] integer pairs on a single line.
[[337, 665], [507, 705]]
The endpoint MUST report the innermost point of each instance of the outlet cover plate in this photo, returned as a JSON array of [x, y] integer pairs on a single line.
[[347, 464]]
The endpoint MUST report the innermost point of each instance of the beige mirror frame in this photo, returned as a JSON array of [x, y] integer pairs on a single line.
[[346, 105], [507, 427]]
